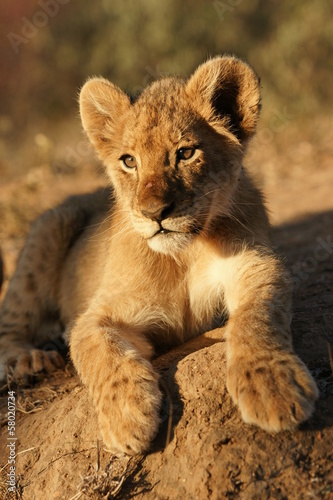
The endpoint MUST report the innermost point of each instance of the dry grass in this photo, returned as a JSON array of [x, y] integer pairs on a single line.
[[108, 483]]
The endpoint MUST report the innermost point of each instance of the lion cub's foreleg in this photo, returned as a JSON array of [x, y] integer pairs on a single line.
[[267, 380], [112, 362]]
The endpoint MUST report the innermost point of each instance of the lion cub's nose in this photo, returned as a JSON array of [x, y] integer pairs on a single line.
[[157, 211]]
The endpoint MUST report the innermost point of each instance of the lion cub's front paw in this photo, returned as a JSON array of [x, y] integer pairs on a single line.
[[275, 393], [128, 406]]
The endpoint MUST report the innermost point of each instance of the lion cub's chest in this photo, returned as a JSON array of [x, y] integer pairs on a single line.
[[187, 306], [168, 300], [206, 284], [193, 301]]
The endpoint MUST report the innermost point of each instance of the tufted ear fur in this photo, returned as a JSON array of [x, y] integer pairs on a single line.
[[225, 91], [101, 106]]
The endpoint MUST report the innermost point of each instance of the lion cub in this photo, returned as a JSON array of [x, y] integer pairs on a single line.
[[180, 238]]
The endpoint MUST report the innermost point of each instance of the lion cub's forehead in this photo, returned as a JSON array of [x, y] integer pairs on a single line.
[[162, 111]]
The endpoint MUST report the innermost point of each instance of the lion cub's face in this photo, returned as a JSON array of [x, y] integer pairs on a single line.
[[174, 155]]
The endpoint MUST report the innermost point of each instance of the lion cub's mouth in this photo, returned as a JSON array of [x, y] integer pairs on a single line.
[[164, 231], [168, 236]]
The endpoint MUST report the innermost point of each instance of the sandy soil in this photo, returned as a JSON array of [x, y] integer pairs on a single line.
[[203, 449]]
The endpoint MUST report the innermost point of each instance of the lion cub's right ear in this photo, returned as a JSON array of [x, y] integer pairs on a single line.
[[101, 105], [226, 91]]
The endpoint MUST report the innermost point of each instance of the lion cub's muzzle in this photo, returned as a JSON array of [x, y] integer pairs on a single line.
[[157, 210], [164, 225], [155, 218], [161, 215]]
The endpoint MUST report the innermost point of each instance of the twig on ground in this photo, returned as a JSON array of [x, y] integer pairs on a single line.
[[168, 395], [19, 453]]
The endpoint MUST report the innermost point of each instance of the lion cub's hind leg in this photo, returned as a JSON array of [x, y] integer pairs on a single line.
[[32, 292]]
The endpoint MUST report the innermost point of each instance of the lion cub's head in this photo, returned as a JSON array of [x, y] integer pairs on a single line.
[[174, 154]]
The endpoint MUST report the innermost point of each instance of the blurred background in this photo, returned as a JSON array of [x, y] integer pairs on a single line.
[[49, 47]]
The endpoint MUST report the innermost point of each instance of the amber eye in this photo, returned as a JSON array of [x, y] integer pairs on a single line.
[[129, 161], [185, 153]]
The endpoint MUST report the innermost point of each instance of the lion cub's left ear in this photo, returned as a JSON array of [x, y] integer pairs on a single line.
[[102, 104], [225, 91]]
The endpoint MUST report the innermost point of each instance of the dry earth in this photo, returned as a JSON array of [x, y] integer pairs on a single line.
[[209, 452]]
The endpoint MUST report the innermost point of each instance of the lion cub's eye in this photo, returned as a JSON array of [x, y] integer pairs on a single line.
[[185, 153], [129, 161]]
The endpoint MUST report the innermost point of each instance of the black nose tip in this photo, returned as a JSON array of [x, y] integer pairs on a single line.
[[158, 213]]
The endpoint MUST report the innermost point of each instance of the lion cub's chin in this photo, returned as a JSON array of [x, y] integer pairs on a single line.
[[169, 243]]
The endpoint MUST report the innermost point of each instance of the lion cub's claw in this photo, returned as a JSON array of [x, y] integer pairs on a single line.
[[276, 393], [31, 362], [37, 361]]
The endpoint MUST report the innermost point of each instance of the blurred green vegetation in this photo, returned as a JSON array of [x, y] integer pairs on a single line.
[[290, 44]]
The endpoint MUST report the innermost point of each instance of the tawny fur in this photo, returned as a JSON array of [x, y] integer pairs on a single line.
[[161, 256]]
